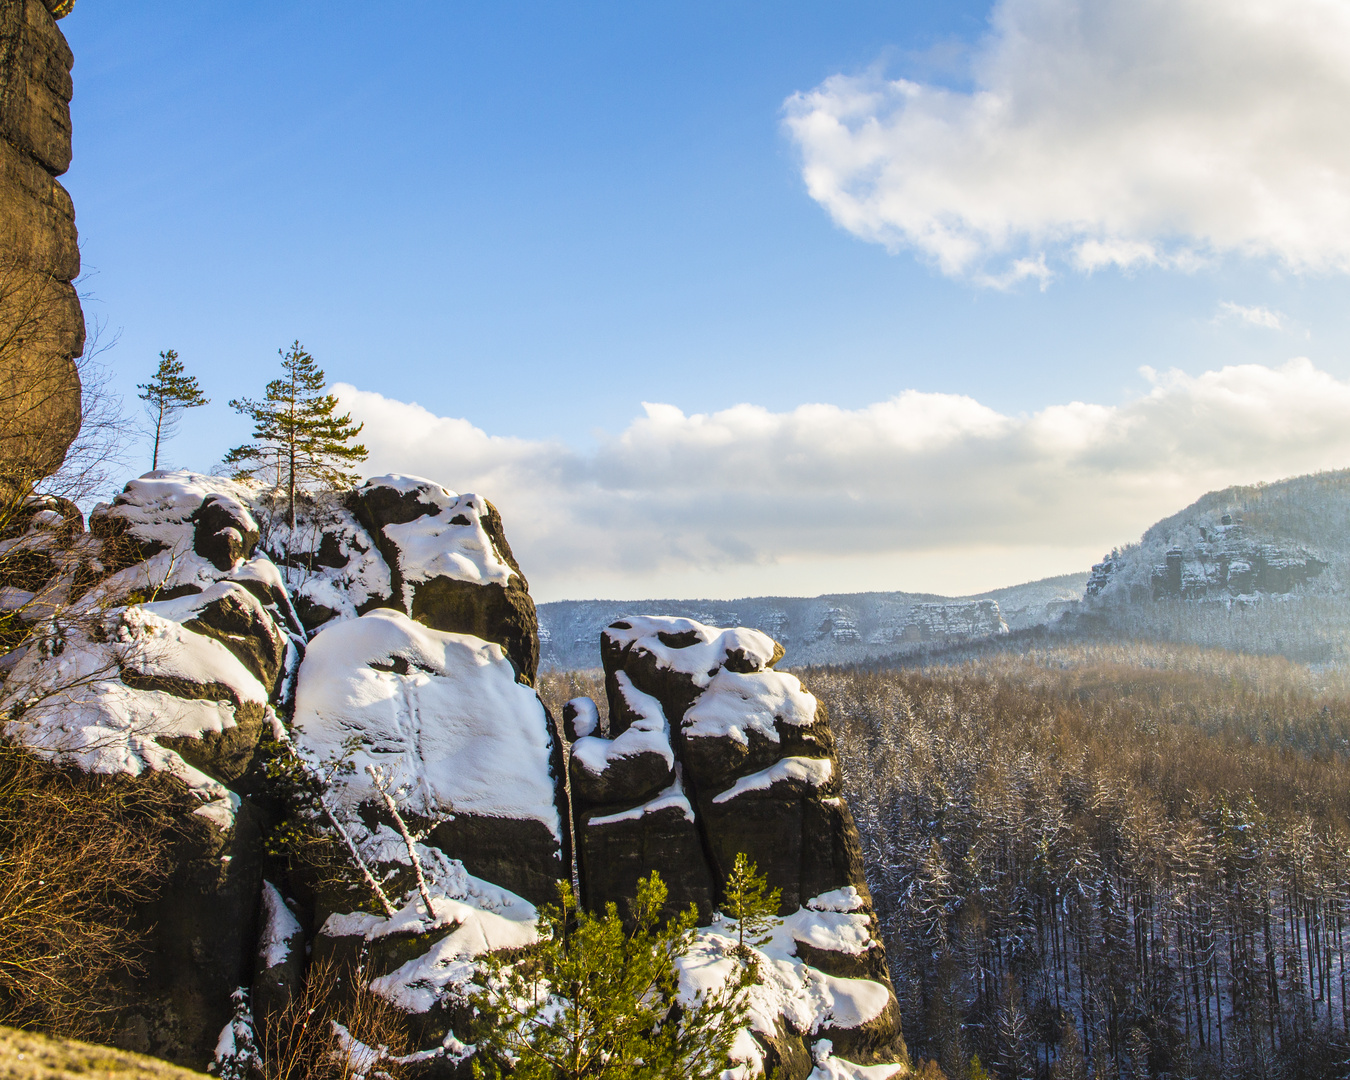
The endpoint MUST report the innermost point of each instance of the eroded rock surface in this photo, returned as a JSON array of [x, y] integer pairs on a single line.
[[39, 251]]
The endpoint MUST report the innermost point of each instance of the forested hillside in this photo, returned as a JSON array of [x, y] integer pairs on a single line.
[[1121, 861]]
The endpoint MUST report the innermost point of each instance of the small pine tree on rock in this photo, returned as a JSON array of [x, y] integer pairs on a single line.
[[298, 438], [594, 1001], [750, 902], [166, 396]]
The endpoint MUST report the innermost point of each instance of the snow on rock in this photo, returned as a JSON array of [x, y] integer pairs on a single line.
[[845, 899], [692, 649], [581, 718], [154, 643], [441, 714], [158, 507], [449, 541], [808, 1000], [734, 704], [280, 928], [71, 700], [814, 771], [648, 733], [829, 1067], [484, 918], [332, 567]]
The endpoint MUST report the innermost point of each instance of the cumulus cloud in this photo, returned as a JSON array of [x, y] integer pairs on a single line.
[[1252, 316], [922, 491], [1102, 132]]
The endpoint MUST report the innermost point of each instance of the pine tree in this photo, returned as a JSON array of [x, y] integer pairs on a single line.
[[591, 1000], [750, 903], [298, 439], [166, 396]]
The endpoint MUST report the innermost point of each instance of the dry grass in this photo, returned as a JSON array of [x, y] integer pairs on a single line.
[[25, 1055]]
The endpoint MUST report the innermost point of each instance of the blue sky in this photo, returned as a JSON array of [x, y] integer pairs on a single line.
[[530, 219]]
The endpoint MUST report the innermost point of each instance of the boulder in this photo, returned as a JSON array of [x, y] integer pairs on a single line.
[[450, 565], [443, 716], [225, 532], [786, 819]]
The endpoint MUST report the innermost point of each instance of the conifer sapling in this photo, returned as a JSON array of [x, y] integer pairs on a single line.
[[166, 395], [595, 1000], [298, 438], [750, 902]]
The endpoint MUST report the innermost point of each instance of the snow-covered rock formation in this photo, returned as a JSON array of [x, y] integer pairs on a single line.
[[373, 666]]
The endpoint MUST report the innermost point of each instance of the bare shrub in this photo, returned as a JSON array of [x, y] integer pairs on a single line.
[[336, 1029], [78, 854]]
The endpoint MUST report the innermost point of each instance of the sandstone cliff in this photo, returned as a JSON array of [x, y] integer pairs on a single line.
[[41, 324], [382, 652]]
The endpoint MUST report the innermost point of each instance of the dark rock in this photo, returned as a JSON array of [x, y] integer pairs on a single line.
[[492, 612], [786, 1056], [279, 965], [230, 756], [789, 829], [520, 855], [614, 854], [203, 926], [625, 781], [225, 532], [237, 619]]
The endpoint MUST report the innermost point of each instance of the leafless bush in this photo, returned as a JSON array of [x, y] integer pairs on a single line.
[[337, 1029], [78, 854]]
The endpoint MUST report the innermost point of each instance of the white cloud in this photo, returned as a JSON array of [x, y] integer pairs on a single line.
[[1102, 132], [922, 491], [1252, 316]]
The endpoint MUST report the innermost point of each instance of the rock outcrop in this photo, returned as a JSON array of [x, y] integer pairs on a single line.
[[1206, 560], [41, 324], [365, 676], [712, 753]]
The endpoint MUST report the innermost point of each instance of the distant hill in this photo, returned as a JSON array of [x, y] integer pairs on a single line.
[[839, 628], [1262, 568]]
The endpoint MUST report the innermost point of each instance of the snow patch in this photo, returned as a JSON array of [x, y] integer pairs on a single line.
[[672, 796], [708, 646], [457, 731], [280, 927], [814, 771], [735, 704]]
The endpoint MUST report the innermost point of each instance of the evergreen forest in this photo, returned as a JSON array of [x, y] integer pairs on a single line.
[[1113, 860]]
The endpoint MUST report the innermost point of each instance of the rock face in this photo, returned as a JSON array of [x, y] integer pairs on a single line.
[[373, 666], [451, 567], [712, 753], [1206, 561], [41, 324]]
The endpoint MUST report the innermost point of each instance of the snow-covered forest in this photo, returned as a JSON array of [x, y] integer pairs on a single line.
[[1117, 861]]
